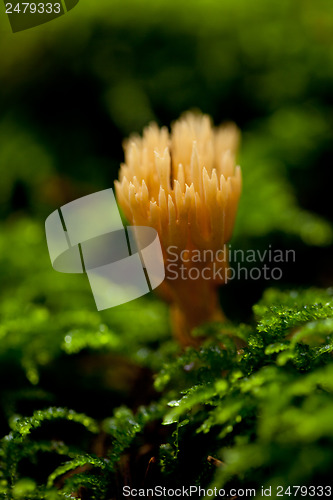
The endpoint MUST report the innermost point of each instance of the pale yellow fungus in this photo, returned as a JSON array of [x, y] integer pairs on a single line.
[[186, 185]]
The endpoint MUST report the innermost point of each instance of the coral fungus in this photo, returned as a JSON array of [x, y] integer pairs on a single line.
[[185, 184]]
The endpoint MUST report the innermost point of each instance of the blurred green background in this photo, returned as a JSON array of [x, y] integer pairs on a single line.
[[74, 88], [70, 92]]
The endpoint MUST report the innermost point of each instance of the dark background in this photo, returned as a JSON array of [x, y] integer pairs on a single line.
[[73, 89]]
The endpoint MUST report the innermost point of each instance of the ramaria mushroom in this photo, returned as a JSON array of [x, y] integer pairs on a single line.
[[186, 185]]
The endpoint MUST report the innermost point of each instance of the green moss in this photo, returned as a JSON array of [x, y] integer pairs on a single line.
[[259, 407]]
